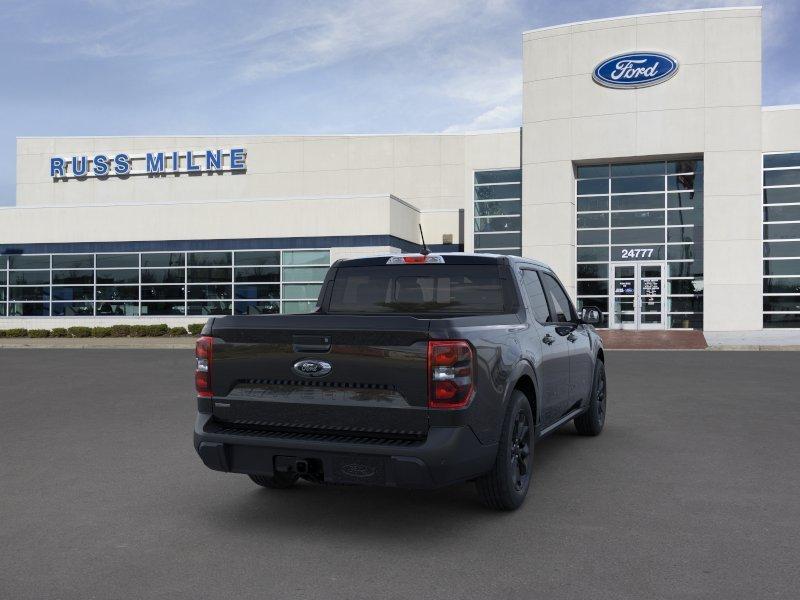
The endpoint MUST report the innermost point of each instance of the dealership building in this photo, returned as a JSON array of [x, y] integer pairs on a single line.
[[646, 172]]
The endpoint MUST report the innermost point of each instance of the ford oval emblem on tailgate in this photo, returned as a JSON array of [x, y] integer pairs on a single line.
[[311, 367]]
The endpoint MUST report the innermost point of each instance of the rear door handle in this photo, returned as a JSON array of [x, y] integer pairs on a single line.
[[548, 339], [572, 337]]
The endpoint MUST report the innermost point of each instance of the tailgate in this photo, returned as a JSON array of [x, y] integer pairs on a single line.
[[269, 373]]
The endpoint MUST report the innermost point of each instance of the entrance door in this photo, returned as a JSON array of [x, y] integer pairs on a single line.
[[637, 295]]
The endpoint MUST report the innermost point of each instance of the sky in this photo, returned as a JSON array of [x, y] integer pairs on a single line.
[[194, 67]]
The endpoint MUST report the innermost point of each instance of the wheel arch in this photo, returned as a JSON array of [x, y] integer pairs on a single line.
[[524, 379]]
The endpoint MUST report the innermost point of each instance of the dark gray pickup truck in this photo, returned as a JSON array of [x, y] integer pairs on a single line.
[[414, 371]]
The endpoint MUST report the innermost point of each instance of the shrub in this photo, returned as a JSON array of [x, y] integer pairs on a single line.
[[60, 332], [196, 328], [177, 331], [17, 332], [120, 330], [138, 330], [2, 333], [38, 333], [157, 330], [80, 332], [101, 332]]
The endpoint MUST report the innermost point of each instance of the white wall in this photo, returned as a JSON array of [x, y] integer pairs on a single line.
[[431, 171], [243, 219], [711, 107], [781, 128]]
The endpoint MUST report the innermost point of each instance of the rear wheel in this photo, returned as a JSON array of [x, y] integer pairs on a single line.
[[278, 481], [591, 422], [506, 485]]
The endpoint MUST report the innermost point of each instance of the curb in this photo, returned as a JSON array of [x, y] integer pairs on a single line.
[[756, 348]]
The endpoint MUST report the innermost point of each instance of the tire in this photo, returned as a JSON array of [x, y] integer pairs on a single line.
[[279, 481], [591, 422], [506, 485]]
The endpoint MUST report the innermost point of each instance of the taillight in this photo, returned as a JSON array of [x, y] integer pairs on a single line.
[[450, 368], [415, 259], [203, 352]]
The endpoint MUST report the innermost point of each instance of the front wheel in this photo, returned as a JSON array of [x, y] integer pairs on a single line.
[[506, 485], [591, 422]]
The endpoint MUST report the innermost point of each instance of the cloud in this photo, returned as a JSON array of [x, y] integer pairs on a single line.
[[334, 33], [497, 117]]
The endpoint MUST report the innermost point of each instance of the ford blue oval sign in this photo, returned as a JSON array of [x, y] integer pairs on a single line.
[[635, 70]]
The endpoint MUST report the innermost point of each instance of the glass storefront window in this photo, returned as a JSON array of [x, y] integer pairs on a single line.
[[256, 274], [117, 309], [74, 277], [588, 271], [300, 291], [637, 202], [209, 259], [29, 278], [209, 292], [256, 307], [163, 292], [73, 261], [29, 293], [209, 308], [159, 283], [72, 309], [638, 218], [163, 276], [497, 192], [257, 258], [500, 207], [782, 267], [117, 292], [117, 276], [209, 275], [163, 309], [163, 259], [653, 212], [72, 292], [305, 257], [28, 309], [117, 261], [254, 292], [592, 220], [497, 226], [24, 261], [592, 203], [781, 298], [298, 307]]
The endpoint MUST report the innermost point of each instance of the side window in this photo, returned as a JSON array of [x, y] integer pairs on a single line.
[[533, 289], [562, 311]]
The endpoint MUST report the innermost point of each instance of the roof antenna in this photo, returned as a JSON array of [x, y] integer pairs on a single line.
[[424, 250]]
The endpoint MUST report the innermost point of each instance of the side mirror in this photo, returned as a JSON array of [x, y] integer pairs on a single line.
[[590, 315]]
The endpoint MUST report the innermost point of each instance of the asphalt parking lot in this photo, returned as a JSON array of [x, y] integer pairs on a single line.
[[692, 491]]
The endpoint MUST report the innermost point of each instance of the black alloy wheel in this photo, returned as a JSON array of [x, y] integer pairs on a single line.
[[521, 452]]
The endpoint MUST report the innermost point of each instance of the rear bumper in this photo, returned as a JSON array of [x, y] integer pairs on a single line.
[[448, 455]]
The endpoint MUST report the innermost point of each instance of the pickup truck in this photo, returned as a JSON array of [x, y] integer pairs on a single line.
[[417, 370]]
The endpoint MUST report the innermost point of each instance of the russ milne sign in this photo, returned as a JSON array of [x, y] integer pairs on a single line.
[[635, 70], [150, 163]]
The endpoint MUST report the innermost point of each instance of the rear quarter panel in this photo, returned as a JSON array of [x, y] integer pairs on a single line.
[[497, 358]]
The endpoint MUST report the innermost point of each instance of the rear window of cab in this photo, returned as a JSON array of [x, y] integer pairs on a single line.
[[419, 289]]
